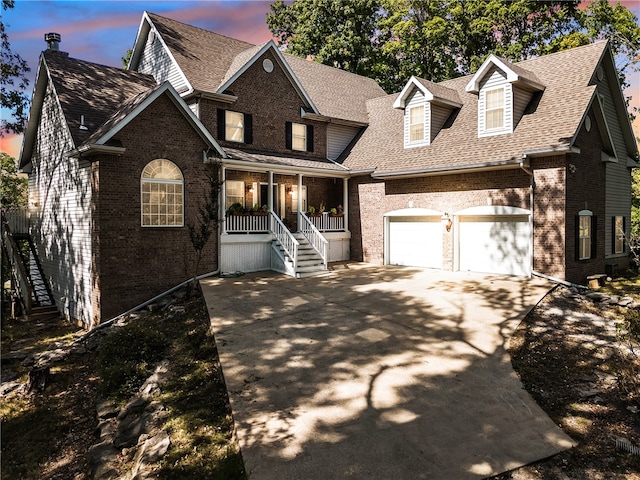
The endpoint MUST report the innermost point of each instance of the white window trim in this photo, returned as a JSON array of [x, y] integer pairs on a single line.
[[487, 110], [240, 127], [161, 181], [298, 137], [584, 214], [294, 198], [618, 234], [410, 125], [229, 187]]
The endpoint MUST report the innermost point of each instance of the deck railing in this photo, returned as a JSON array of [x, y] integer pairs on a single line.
[[17, 219], [327, 223], [247, 223], [285, 238], [316, 240], [18, 269]]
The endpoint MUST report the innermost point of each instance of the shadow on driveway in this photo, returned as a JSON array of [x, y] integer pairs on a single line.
[[378, 372]]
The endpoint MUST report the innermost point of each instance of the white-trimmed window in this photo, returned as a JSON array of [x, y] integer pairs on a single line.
[[618, 234], [234, 193], [585, 234], [494, 109], [162, 186], [294, 198], [416, 124], [235, 126], [299, 137]]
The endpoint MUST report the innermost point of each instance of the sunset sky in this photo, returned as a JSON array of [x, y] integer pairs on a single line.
[[102, 31]]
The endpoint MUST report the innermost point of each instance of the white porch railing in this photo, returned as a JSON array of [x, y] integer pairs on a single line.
[[316, 240], [327, 223], [247, 223], [18, 219], [285, 238]]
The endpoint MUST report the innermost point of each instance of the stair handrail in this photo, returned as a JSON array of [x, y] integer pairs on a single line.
[[315, 237], [17, 267], [284, 238]]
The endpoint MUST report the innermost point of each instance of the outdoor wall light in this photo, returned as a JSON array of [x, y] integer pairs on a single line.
[[249, 188], [446, 221]]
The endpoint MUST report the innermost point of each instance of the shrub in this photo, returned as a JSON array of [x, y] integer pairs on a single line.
[[127, 358]]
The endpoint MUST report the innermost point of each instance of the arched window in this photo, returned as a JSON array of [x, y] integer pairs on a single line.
[[162, 187]]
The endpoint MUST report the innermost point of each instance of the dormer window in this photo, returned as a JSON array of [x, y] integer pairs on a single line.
[[416, 124], [494, 109]]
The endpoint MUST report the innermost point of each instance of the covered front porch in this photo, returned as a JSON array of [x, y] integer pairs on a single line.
[[294, 221]]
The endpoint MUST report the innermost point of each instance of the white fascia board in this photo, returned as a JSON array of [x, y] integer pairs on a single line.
[[35, 113], [141, 40], [166, 87], [414, 212], [512, 77], [406, 90], [283, 63], [493, 210], [43, 84], [152, 27]]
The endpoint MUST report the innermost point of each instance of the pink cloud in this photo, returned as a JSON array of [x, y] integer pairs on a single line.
[[10, 144]]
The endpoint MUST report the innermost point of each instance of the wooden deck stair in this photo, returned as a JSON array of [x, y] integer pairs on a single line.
[[309, 261]]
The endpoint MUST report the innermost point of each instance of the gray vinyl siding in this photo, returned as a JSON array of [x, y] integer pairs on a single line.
[[521, 99], [60, 193], [338, 138], [618, 176], [155, 60], [495, 78], [439, 116], [414, 100]]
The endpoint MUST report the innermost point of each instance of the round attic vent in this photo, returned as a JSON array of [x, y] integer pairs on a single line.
[[587, 123], [600, 72], [267, 65]]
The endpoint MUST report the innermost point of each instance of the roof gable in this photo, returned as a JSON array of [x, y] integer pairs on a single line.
[[514, 74], [433, 92], [85, 91], [131, 108]]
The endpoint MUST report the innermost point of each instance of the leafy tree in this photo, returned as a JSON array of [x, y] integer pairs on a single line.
[[390, 40], [13, 81], [13, 188]]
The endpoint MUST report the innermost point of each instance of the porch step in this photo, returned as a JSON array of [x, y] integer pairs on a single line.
[[309, 262], [47, 312]]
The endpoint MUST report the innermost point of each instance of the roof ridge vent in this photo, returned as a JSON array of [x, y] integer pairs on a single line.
[[53, 40]]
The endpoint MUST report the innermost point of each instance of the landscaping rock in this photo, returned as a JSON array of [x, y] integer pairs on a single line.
[[136, 404], [151, 450], [102, 459], [129, 430], [106, 409]]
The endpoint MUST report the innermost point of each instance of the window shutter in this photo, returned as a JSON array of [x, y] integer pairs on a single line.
[[221, 125], [248, 128], [594, 233], [577, 237], [309, 138], [288, 135]]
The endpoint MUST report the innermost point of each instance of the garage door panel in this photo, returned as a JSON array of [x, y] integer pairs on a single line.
[[415, 242], [495, 244]]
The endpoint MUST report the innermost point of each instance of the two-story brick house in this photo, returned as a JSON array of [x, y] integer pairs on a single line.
[[517, 169]]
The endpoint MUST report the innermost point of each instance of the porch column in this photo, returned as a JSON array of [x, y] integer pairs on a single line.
[[223, 194], [270, 199], [345, 202], [299, 199]]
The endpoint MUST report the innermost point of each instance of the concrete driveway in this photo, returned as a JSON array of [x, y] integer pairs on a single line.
[[378, 373]]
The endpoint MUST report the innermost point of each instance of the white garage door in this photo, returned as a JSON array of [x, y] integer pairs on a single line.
[[495, 244], [415, 241]]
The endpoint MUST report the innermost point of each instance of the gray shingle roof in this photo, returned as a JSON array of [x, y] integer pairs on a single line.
[[93, 90], [554, 122], [439, 91], [283, 161], [208, 60]]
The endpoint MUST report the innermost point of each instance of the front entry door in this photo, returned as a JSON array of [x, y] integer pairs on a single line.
[[264, 196]]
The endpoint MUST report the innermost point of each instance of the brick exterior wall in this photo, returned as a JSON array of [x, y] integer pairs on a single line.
[[272, 100], [131, 263], [327, 190], [586, 191], [549, 222], [370, 199]]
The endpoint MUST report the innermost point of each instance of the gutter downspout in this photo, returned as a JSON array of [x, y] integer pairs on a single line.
[[526, 169]]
